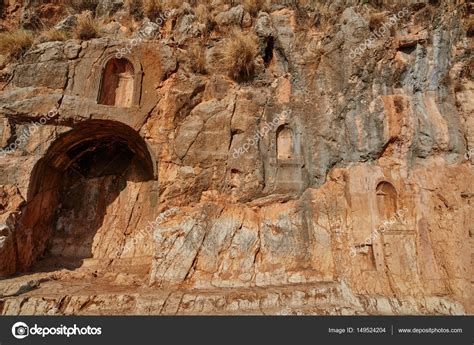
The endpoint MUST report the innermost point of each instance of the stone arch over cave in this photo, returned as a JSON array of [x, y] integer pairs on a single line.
[[386, 200], [285, 143], [74, 190], [117, 83]]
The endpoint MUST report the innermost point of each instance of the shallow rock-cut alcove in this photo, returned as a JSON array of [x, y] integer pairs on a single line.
[[288, 159], [386, 200], [117, 83], [74, 192], [285, 143]]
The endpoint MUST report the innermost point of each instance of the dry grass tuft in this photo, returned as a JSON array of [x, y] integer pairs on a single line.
[[52, 34], [376, 20], [197, 56], [239, 55], [255, 6], [203, 15], [15, 43], [152, 8], [308, 5], [86, 27]]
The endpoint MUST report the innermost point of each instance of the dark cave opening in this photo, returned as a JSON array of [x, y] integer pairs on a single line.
[[100, 158], [80, 193], [268, 52], [97, 174]]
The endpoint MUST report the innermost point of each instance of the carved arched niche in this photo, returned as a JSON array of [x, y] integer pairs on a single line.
[[285, 144], [117, 83], [286, 172], [386, 200]]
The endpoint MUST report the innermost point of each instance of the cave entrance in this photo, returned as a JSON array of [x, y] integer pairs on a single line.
[[83, 195]]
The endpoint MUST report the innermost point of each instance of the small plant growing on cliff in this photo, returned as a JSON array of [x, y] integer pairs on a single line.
[[86, 27], [52, 34], [376, 20], [239, 55], [197, 56], [254, 6], [15, 43], [203, 15]]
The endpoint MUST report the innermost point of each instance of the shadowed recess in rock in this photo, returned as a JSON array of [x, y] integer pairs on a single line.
[[108, 156], [117, 83], [74, 187], [386, 200]]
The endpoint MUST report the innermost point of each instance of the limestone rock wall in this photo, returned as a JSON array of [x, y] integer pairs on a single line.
[[327, 167]]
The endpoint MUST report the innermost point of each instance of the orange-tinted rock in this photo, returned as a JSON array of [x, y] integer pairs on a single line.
[[328, 184]]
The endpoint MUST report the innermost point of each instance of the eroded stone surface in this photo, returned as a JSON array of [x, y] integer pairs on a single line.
[[329, 184]]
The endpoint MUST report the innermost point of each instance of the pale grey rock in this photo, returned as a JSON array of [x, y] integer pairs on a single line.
[[28, 101], [263, 25], [72, 49], [67, 23], [233, 16], [149, 30], [39, 74]]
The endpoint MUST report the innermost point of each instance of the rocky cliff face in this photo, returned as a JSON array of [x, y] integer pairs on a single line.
[[335, 179]]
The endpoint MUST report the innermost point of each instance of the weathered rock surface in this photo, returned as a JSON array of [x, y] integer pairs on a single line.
[[339, 180]]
